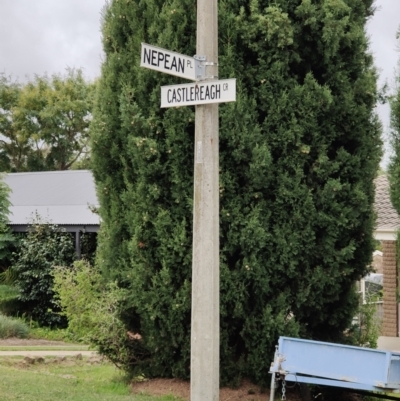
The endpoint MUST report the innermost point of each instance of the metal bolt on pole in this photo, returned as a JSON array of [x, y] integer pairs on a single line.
[[204, 383]]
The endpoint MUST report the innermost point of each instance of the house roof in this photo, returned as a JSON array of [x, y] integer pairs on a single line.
[[60, 197], [388, 221]]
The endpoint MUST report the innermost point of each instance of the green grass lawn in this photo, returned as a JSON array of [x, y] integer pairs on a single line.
[[67, 381]]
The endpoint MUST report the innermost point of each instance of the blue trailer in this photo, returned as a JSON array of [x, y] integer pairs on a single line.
[[337, 365]]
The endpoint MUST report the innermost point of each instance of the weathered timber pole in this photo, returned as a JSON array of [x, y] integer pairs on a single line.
[[204, 382]]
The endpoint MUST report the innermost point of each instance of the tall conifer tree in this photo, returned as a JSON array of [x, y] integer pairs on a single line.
[[298, 153], [394, 166]]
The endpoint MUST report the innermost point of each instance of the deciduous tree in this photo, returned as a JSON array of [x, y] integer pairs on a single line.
[[44, 123]]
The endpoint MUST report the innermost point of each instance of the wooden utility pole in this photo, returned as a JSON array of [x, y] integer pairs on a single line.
[[204, 382]]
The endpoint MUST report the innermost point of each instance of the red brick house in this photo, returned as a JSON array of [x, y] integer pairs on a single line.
[[387, 225]]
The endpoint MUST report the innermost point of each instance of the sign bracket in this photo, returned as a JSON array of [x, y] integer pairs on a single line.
[[199, 67]]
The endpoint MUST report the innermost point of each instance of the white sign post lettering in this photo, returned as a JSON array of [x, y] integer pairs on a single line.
[[168, 62], [204, 92]]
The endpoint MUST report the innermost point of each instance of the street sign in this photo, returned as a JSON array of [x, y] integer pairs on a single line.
[[169, 62], [204, 92]]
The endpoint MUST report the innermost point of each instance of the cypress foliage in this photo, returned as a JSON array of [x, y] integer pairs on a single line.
[[298, 152], [394, 165]]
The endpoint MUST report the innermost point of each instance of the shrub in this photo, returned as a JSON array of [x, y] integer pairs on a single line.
[[44, 247], [12, 328], [9, 303], [7, 238], [88, 246], [110, 336], [92, 309], [78, 290], [46, 333], [366, 326]]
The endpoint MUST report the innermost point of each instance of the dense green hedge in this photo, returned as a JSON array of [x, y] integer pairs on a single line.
[[299, 150], [394, 165]]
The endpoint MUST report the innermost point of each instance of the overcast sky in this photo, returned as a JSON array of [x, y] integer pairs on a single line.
[[39, 36], [50, 35]]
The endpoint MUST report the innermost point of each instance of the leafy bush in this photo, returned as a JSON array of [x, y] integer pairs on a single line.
[[92, 309], [7, 238], [44, 247], [367, 328], [46, 333], [12, 328], [7, 292], [7, 247], [9, 303], [78, 291], [88, 246], [110, 336]]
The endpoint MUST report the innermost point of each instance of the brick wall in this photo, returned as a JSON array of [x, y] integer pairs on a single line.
[[390, 315]]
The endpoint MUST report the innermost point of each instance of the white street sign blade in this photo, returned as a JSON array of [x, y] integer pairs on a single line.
[[204, 92], [172, 63]]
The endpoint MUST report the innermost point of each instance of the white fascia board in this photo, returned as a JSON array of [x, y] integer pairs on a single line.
[[385, 234]]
